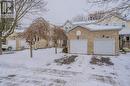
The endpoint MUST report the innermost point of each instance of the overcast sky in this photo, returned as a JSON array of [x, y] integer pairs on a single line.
[[61, 10]]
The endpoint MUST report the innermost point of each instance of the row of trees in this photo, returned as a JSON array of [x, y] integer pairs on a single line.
[[40, 29]]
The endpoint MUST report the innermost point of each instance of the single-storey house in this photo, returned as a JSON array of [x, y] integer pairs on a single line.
[[94, 39]]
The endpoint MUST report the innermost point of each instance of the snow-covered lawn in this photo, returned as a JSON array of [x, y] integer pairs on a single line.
[[18, 69]]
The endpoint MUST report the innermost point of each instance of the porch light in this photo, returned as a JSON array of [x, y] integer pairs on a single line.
[[78, 33]]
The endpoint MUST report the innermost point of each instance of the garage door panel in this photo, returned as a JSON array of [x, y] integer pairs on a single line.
[[104, 46], [78, 46]]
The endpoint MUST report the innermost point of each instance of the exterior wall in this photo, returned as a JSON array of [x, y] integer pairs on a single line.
[[85, 34], [72, 34], [90, 36], [40, 44], [21, 43], [107, 34], [18, 44], [115, 20]]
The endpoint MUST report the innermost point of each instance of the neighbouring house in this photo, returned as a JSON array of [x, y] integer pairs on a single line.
[[124, 34], [67, 25], [94, 39], [16, 42], [115, 20]]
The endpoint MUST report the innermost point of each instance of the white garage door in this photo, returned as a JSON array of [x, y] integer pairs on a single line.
[[12, 43], [78, 46], [104, 46]]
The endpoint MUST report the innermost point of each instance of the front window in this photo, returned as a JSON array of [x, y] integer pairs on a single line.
[[123, 25]]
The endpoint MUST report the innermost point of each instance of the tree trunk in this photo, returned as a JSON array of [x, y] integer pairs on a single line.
[[55, 47], [31, 52], [0, 43], [55, 50]]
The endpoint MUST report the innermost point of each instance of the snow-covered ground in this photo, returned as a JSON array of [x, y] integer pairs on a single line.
[[18, 69]]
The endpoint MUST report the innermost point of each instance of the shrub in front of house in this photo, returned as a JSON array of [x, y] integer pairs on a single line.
[[66, 59], [101, 61], [65, 49]]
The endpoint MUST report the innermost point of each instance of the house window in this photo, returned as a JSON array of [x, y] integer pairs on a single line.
[[127, 38], [66, 28], [123, 25]]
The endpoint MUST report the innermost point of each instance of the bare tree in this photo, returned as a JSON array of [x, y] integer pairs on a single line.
[[36, 31], [30, 38], [59, 34], [20, 8], [121, 8]]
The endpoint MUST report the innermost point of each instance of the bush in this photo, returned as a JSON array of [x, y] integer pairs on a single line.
[[94, 60], [66, 60], [106, 60], [65, 50], [101, 60]]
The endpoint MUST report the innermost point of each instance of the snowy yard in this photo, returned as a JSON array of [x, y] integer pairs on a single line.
[[18, 69]]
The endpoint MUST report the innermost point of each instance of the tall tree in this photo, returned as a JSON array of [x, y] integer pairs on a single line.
[[59, 34], [36, 31], [19, 9]]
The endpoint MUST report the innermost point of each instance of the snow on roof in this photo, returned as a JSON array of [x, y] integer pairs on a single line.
[[125, 31], [77, 23], [103, 27], [82, 22], [97, 27]]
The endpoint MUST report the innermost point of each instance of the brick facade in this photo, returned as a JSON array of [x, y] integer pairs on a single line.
[[91, 35]]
